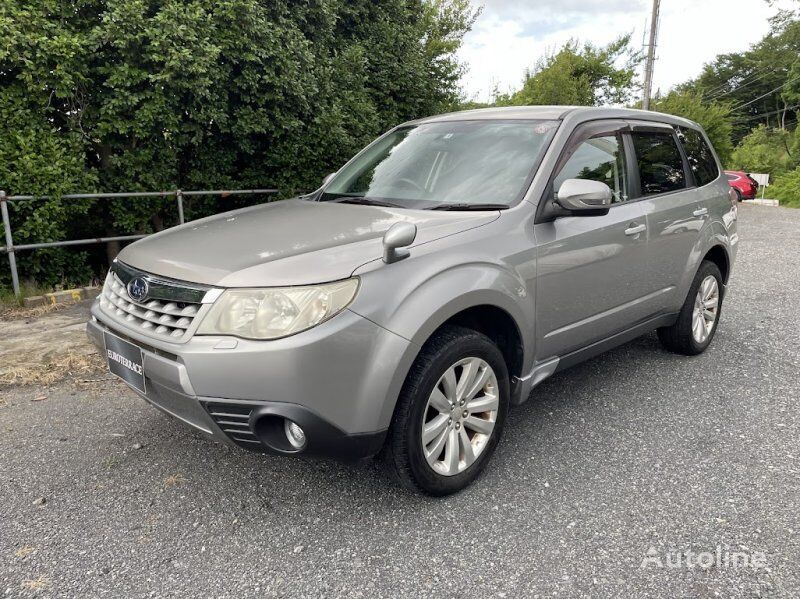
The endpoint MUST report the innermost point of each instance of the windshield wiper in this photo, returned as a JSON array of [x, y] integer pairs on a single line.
[[465, 206], [362, 201]]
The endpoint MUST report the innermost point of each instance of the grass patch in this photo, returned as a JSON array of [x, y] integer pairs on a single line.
[[9, 301], [60, 368], [18, 312]]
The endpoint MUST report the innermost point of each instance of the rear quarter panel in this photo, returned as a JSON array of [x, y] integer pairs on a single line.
[[719, 228]]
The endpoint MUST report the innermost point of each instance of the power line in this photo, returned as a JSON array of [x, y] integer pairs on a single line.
[[728, 80], [740, 106], [738, 87], [763, 114]]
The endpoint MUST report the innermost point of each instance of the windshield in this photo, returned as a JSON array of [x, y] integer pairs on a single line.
[[460, 164]]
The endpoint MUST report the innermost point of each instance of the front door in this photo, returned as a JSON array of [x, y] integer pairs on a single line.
[[592, 270]]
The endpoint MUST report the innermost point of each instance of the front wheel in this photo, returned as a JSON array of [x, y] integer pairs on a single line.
[[450, 413], [697, 321]]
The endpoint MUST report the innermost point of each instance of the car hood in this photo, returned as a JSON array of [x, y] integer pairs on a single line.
[[289, 242]]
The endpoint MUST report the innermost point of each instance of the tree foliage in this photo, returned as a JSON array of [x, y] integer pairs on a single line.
[[786, 188], [768, 150], [714, 117], [762, 84], [120, 95], [580, 75]]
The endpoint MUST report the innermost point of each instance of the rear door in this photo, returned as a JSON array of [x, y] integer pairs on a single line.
[[665, 188], [591, 270]]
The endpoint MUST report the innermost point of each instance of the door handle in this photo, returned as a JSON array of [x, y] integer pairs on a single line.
[[700, 212], [635, 229]]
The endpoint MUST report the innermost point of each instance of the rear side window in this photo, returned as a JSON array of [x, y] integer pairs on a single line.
[[701, 159], [660, 162], [732, 177]]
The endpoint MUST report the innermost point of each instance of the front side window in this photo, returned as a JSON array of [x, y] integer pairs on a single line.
[[699, 155], [660, 162], [434, 165], [600, 158]]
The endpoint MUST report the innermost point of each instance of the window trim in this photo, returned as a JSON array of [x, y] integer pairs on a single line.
[[546, 208]]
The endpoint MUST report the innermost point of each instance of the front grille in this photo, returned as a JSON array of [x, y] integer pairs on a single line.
[[233, 419], [156, 317]]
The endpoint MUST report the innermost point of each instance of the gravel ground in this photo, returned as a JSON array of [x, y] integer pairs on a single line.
[[636, 451]]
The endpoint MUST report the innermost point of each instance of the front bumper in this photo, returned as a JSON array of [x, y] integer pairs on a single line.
[[339, 381]]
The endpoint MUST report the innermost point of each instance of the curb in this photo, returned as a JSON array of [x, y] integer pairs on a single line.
[[762, 202], [69, 296]]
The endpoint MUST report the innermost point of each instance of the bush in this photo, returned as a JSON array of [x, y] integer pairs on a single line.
[[786, 188], [145, 95], [714, 117], [767, 150]]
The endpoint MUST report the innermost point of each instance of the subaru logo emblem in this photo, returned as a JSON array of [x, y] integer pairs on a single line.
[[137, 289]]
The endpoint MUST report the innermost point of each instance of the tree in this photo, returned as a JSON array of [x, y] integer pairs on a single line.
[[714, 117], [121, 95], [768, 150], [761, 83], [581, 75]]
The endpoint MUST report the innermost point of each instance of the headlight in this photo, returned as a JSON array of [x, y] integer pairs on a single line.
[[276, 312]]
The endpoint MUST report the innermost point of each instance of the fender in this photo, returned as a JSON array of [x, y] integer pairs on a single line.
[[422, 302]]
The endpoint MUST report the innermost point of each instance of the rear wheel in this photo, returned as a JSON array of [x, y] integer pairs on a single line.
[[738, 195], [697, 321], [450, 414]]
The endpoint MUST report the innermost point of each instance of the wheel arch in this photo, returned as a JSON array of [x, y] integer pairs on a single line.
[[718, 254], [491, 301]]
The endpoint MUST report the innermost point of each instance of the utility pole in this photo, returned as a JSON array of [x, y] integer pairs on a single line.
[[651, 56]]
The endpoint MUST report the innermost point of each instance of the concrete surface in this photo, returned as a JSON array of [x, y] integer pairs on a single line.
[[635, 455], [68, 296]]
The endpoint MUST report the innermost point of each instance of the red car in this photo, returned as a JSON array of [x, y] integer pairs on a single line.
[[743, 184]]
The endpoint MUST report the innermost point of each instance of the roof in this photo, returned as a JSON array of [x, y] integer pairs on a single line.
[[506, 112], [580, 113]]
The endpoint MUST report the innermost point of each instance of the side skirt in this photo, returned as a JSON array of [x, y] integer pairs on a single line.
[[543, 370]]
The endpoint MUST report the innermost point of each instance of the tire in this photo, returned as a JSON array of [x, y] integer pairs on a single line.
[[417, 405], [682, 337], [739, 197]]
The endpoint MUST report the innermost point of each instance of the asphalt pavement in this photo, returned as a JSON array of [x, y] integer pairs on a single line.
[[606, 483]]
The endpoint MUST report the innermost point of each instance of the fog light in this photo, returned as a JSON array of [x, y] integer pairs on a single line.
[[295, 434]]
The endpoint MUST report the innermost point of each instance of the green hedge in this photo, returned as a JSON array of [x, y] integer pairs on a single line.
[[127, 95]]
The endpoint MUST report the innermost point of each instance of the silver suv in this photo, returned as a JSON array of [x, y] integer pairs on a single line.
[[427, 286]]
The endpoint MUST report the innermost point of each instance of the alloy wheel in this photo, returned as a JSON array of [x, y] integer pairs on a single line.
[[706, 308], [460, 416]]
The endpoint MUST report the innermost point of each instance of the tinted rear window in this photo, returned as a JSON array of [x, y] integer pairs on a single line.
[[660, 162], [701, 159]]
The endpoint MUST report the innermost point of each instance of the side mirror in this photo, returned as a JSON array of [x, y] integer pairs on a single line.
[[399, 235], [584, 196], [327, 178]]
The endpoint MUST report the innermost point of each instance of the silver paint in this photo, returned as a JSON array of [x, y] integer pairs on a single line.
[[565, 283]]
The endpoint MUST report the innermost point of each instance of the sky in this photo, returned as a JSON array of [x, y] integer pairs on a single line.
[[510, 35]]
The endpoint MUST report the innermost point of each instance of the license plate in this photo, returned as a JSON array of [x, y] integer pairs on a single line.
[[125, 360]]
